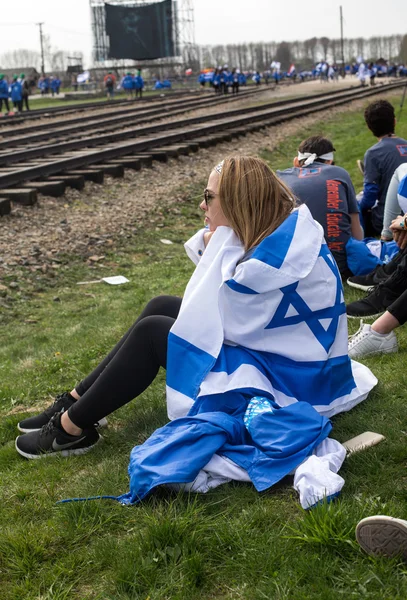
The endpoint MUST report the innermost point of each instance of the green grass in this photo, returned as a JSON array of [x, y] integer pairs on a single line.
[[230, 544]]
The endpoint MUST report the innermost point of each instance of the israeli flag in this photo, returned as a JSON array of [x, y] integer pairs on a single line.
[[402, 192], [271, 324]]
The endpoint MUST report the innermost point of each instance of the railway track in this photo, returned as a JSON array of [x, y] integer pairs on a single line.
[[50, 167], [111, 117]]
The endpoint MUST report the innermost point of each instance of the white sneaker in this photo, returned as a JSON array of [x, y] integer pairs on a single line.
[[382, 535], [366, 342]]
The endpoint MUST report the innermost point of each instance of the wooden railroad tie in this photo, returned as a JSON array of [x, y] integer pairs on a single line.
[[74, 181], [26, 196], [5, 207], [48, 188], [95, 175]]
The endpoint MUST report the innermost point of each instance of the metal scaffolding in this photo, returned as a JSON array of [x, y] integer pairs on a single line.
[[183, 29]]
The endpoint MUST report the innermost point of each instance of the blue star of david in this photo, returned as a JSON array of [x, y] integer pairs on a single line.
[[291, 298]]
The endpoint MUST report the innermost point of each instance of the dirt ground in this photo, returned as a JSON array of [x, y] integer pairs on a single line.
[[83, 223]]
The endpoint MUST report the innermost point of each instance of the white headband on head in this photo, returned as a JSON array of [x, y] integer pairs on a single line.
[[219, 167], [310, 157]]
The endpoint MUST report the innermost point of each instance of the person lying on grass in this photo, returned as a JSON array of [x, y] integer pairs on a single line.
[[262, 315]]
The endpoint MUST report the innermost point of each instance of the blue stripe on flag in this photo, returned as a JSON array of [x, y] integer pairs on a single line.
[[187, 365], [238, 287], [402, 189], [274, 248], [316, 382]]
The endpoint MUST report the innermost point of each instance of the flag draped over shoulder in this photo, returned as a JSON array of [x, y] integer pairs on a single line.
[[269, 323], [272, 325]]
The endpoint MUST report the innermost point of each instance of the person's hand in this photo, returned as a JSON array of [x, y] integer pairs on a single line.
[[400, 237], [207, 237], [395, 224]]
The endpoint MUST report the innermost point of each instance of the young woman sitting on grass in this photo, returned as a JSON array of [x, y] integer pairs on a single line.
[[262, 315]]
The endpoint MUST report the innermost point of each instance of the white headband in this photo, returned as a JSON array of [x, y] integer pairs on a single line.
[[310, 158], [219, 167]]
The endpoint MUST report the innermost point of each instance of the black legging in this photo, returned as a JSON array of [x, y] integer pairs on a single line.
[[5, 100], [398, 308], [130, 367]]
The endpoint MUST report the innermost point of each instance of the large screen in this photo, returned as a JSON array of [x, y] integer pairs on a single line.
[[140, 32]]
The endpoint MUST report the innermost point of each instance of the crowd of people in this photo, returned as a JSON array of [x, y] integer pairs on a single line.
[[264, 303], [18, 91], [223, 79]]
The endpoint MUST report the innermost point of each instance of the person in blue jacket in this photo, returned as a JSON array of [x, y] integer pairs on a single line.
[[4, 93], [235, 81], [257, 78], [242, 79], [202, 79], [16, 93], [138, 84], [55, 85], [216, 81], [128, 85]]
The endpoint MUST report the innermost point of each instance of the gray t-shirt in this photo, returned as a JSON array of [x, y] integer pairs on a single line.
[[328, 192], [381, 160]]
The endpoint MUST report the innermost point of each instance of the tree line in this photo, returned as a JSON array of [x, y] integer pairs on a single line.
[[304, 54]]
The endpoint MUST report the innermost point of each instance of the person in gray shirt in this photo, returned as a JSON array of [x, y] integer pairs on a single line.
[[380, 163], [328, 192]]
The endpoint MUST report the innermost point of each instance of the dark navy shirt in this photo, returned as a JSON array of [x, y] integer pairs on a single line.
[[381, 160], [328, 192]]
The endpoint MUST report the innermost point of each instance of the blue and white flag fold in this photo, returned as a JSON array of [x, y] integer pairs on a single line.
[[273, 324]]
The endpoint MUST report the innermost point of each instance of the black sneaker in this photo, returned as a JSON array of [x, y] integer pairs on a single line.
[[374, 304], [61, 404], [367, 282], [52, 440]]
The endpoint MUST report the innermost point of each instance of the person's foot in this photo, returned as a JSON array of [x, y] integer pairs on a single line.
[[366, 282], [383, 536], [52, 440], [361, 166], [366, 341], [61, 404], [373, 305]]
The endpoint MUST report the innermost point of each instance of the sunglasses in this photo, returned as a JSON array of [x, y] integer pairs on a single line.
[[208, 196]]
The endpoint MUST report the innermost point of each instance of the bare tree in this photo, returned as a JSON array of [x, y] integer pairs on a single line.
[[324, 42]]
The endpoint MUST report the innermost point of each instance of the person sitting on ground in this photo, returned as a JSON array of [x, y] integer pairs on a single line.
[[328, 192], [264, 303], [380, 163], [396, 200], [381, 535], [386, 284]]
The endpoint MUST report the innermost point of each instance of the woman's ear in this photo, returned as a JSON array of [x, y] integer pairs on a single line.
[[296, 162]]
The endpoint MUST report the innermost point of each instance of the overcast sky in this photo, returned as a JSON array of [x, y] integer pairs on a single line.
[[216, 21]]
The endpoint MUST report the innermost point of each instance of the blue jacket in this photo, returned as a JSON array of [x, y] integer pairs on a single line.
[[3, 89], [16, 91], [138, 82], [55, 84], [127, 82]]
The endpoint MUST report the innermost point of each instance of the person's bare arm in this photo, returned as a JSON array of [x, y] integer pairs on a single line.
[[356, 228]]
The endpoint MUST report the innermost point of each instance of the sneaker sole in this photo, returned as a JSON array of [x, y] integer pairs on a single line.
[[359, 286], [64, 453], [382, 536], [101, 423], [387, 351]]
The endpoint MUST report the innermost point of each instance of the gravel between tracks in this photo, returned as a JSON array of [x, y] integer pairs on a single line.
[[84, 223]]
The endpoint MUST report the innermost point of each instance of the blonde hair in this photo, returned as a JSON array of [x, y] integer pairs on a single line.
[[254, 201]]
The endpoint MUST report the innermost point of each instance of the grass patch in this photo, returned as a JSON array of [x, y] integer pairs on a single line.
[[232, 543]]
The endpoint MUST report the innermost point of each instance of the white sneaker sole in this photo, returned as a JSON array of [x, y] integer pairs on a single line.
[[359, 286], [64, 453], [383, 536], [385, 351], [101, 423]]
